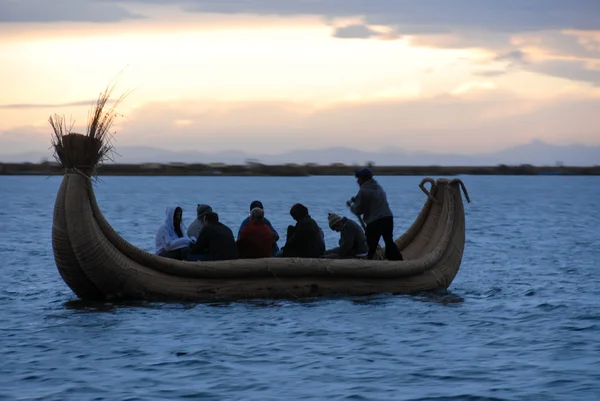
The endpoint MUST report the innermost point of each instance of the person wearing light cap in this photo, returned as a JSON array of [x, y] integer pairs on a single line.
[[352, 244], [258, 204], [194, 228], [256, 238], [371, 202]]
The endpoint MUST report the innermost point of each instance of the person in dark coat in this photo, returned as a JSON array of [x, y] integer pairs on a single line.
[[353, 243], [305, 239], [194, 228], [258, 204], [371, 202], [215, 241], [256, 238]]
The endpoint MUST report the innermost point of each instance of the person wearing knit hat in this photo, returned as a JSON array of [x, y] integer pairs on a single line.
[[246, 221], [334, 221], [352, 243], [194, 228]]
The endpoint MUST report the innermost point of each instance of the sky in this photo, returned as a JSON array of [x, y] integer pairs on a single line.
[[271, 76]]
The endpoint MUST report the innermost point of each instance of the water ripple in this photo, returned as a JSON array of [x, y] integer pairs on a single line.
[[520, 321]]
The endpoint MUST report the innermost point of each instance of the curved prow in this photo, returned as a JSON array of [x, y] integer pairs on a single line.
[[447, 267], [68, 266], [80, 154]]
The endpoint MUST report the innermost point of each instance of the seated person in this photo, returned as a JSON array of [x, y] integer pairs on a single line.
[[258, 204], [194, 228], [353, 243], [256, 238], [305, 239], [171, 240], [215, 242]]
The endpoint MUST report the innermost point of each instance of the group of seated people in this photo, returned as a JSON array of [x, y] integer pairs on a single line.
[[207, 239]]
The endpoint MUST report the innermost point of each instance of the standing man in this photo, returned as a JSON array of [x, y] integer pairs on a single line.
[[371, 202]]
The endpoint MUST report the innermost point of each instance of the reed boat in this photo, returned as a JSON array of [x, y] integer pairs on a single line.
[[98, 264]]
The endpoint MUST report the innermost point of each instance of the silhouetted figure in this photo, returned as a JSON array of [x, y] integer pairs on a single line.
[[198, 223], [352, 244], [258, 204], [371, 202], [305, 239], [215, 242], [256, 238]]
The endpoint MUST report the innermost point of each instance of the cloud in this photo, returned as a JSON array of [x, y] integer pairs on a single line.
[[482, 119], [556, 29], [25, 139], [63, 10], [414, 17], [501, 27], [25, 106], [491, 73], [516, 55], [479, 119], [581, 44], [571, 69], [356, 31], [431, 16]]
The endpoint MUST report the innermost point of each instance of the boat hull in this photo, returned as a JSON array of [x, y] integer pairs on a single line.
[[97, 263]]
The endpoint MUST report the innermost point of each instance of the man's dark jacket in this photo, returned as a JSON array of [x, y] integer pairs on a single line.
[[216, 240], [304, 240]]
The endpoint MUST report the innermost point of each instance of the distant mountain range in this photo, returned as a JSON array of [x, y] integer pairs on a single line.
[[537, 153]]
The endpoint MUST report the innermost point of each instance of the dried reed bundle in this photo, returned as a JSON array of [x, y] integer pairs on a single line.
[[82, 153]]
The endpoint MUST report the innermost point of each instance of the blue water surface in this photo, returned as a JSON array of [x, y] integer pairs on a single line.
[[521, 321]]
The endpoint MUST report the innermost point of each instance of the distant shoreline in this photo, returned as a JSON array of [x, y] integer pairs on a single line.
[[293, 170]]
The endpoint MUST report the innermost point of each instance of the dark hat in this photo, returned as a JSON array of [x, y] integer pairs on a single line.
[[363, 173], [298, 211], [256, 204], [202, 209], [212, 217]]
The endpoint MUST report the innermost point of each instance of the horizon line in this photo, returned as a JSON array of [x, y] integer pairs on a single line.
[[284, 152]]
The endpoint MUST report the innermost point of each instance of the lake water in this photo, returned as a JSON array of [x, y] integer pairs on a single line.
[[521, 321]]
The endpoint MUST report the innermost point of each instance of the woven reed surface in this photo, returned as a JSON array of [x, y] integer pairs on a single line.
[[265, 267], [68, 265], [433, 246]]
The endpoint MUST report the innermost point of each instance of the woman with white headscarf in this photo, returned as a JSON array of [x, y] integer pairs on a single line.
[[171, 238]]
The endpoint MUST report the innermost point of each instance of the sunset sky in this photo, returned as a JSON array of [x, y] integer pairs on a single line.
[[272, 75]]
